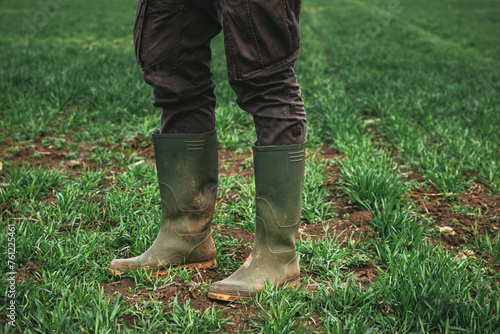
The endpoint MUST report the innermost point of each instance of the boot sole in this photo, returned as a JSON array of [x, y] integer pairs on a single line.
[[238, 297], [166, 271]]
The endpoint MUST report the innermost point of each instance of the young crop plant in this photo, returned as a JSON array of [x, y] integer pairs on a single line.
[[230, 246], [72, 155], [443, 172], [282, 310], [89, 180], [186, 320], [136, 175], [346, 307], [28, 183], [148, 316], [36, 155], [488, 244], [238, 210], [488, 170], [431, 291], [58, 143], [315, 205], [146, 127], [396, 229], [370, 181], [233, 126], [467, 211], [324, 258], [65, 305]]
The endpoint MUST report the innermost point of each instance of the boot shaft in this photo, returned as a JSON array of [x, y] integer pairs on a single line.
[[279, 176], [187, 167]]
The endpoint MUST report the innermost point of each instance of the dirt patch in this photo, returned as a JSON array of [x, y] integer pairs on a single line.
[[244, 236], [68, 156], [358, 224], [367, 274], [241, 252], [36, 154], [462, 220], [232, 163], [40, 152], [344, 207], [27, 273], [182, 292]]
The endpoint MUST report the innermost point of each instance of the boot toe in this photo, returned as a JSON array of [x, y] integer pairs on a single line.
[[230, 291], [119, 266]]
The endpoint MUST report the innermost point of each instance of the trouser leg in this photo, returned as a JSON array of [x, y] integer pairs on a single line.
[[172, 42], [262, 43]]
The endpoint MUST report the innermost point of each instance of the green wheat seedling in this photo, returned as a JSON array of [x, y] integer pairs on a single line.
[[488, 244], [358, 322], [233, 126], [431, 291], [467, 211], [445, 173], [346, 128], [89, 180], [240, 211], [229, 246], [150, 281], [346, 306], [315, 206], [324, 258], [28, 183], [281, 310], [184, 319], [396, 229], [59, 143], [62, 304], [146, 128], [489, 172], [136, 175], [148, 316], [368, 183]]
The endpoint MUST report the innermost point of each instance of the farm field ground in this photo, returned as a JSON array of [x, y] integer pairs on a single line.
[[401, 207]]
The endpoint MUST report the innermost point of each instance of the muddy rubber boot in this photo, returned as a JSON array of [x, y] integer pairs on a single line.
[[279, 174], [187, 175]]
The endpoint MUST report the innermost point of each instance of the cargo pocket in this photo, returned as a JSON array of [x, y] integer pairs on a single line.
[[157, 33], [261, 37]]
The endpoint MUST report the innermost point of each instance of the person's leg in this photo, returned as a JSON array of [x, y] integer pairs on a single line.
[[277, 107], [262, 40], [262, 44], [172, 39]]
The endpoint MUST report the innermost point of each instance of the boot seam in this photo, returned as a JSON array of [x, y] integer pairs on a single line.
[[274, 214], [177, 202], [269, 247]]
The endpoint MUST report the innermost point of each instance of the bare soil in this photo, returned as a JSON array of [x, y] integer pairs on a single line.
[[456, 229], [33, 153]]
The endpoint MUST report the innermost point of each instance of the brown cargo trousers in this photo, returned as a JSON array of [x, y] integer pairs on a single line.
[[261, 39]]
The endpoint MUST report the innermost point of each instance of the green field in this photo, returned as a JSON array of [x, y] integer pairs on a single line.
[[401, 203]]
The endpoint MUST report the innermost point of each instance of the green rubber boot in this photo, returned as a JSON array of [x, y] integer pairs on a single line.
[[279, 174], [187, 174]]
